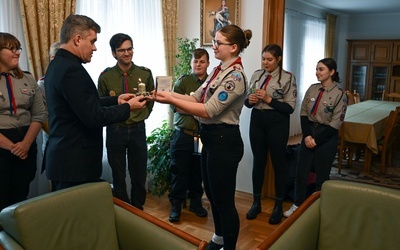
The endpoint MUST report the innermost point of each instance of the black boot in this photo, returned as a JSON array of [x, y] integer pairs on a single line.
[[254, 211], [277, 213], [176, 209], [197, 208]]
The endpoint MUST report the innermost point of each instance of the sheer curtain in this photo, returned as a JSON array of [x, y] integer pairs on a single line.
[[10, 22], [142, 20], [304, 46]]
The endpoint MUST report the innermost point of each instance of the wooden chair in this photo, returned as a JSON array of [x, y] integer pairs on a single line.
[[350, 98], [356, 97], [389, 140], [389, 96], [346, 151]]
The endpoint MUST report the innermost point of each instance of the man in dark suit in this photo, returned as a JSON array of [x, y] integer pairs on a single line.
[[77, 114]]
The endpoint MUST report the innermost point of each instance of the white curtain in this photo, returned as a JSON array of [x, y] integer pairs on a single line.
[[142, 20], [10, 22], [304, 43]]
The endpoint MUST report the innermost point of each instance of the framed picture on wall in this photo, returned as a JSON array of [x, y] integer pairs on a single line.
[[214, 15]]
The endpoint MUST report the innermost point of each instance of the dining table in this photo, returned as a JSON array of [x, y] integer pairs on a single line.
[[365, 123]]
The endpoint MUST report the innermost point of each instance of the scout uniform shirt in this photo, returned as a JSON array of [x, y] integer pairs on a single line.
[[283, 90], [112, 82], [224, 96], [21, 102], [186, 84], [331, 108]]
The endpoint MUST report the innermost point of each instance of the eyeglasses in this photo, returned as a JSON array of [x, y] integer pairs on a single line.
[[216, 44], [122, 51], [13, 49]]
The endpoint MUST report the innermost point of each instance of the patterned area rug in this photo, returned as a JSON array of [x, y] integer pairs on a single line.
[[356, 173]]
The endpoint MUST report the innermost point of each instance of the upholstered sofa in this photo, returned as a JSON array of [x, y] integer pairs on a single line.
[[87, 217], [344, 215]]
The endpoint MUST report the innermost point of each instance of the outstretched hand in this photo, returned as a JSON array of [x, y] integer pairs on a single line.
[[162, 96]]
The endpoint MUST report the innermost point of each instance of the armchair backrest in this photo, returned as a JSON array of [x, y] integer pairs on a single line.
[[81, 217], [358, 216]]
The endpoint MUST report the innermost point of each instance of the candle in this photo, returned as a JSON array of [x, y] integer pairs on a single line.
[[142, 86]]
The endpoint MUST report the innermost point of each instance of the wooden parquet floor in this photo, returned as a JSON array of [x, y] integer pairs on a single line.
[[252, 232]]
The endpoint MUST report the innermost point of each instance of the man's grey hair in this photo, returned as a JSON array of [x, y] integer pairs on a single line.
[[77, 24]]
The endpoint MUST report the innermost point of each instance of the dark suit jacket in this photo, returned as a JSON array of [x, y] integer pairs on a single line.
[[76, 118]]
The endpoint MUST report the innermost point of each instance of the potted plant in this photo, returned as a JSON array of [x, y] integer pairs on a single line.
[[158, 141], [159, 159]]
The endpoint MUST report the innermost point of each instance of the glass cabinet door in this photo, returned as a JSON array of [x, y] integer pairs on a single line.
[[379, 81], [358, 79]]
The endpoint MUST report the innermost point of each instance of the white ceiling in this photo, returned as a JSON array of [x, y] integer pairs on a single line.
[[358, 6]]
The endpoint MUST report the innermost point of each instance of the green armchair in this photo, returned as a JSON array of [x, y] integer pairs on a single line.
[[87, 217], [343, 215]]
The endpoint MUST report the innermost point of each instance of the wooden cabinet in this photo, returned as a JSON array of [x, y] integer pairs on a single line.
[[371, 66]]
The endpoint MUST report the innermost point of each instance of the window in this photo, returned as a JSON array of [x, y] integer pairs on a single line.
[[304, 44]]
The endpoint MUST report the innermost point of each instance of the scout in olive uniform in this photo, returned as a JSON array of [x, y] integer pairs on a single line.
[[185, 163], [22, 113], [272, 96], [322, 113], [127, 139]]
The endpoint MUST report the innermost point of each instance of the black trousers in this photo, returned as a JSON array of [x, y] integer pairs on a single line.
[[321, 158], [222, 151], [185, 168], [269, 131], [128, 143], [16, 174]]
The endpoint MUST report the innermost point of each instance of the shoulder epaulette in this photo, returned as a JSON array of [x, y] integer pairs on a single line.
[[104, 71], [290, 73], [180, 77], [259, 70], [27, 72], [144, 68]]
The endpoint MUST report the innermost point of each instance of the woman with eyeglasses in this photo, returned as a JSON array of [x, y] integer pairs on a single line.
[[22, 113], [272, 96], [218, 104]]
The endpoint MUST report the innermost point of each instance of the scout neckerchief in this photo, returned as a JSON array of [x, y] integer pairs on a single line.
[[125, 83], [13, 105], [265, 83], [217, 70], [315, 107]]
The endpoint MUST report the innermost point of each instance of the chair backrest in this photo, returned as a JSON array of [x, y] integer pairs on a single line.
[[350, 98], [392, 128], [356, 97], [81, 217], [389, 96], [358, 216]]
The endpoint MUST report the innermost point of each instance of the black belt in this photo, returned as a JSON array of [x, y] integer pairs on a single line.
[[188, 131], [217, 126], [132, 125], [264, 110], [317, 124]]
